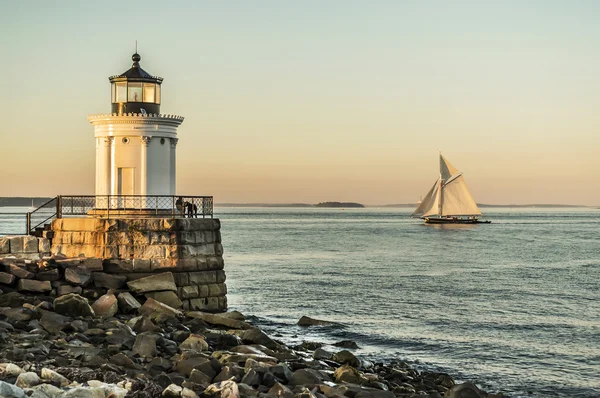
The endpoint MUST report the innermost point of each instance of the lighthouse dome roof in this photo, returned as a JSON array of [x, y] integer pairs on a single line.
[[136, 73]]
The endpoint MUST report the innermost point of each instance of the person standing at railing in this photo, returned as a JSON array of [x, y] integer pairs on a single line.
[[180, 205]]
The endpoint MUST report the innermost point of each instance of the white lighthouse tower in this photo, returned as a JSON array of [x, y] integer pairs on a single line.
[[135, 144]]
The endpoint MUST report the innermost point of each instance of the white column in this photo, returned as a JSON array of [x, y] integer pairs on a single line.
[[144, 165], [173, 172]]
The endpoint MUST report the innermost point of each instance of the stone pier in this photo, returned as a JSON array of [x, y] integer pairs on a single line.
[[178, 262]]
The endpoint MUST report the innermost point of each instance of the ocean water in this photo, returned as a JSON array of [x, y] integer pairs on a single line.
[[513, 306]]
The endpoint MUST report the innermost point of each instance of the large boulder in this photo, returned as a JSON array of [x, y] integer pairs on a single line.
[[168, 297], [108, 281], [73, 305], [348, 374], [54, 323], [30, 285], [9, 391], [7, 279], [127, 303], [78, 276], [153, 283], [145, 345], [257, 336], [307, 376], [220, 320], [106, 306], [346, 357], [152, 307], [194, 342]]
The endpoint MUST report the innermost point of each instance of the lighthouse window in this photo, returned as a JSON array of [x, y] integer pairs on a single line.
[[148, 92], [134, 92], [121, 91], [113, 94], [158, 93]]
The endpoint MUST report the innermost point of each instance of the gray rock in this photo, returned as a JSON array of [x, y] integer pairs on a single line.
[[224, 389], [45, 391], [27, 380], [145, 345], [127, 303], [199, 377], [7, 279], [158, 282], [194, 342], [9, 391], [172, 391], [282, 372], [228, 372], [48, 275], [320, 353], [307, 321], [30, 285], [252, 378], [4, 245], [106, 306], [257, 336], [281, 391], [346, 357], [348, 374], [84, 392], [73, 305], [167, 297], [346, 344], [108, 281], [78, 276], [465, 390], [54, 377], [20, 272], [54, 323], [68, 289], [307, 376], [152, 306]]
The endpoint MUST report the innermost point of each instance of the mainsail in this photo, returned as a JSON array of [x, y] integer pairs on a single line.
[[449, 196]]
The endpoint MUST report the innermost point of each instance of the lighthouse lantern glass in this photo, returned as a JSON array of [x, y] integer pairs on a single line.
[[134, 92], [149, 92], [158, 93], [121, 92]]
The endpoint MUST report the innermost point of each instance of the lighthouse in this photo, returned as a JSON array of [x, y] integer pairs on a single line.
[[136, 145]]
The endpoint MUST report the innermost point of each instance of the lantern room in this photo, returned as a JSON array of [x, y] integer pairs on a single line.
[[135, 91]]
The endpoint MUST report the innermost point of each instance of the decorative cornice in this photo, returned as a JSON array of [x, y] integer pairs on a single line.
[[135, 118], [174, 142]]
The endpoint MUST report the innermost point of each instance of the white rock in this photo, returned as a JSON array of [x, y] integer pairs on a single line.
[[54, 377], [27, 380], [84, 392], [10, 369], [45, 391], [172, 391], [111, 390]]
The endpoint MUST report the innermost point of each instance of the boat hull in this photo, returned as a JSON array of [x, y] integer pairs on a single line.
[[453, 220]]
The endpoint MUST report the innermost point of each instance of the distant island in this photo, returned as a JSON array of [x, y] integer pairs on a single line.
[[340, 204]]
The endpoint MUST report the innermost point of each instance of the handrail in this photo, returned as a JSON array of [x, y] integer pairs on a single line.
[[110, 206]]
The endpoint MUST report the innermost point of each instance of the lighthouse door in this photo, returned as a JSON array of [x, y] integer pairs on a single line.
[[126, 186]]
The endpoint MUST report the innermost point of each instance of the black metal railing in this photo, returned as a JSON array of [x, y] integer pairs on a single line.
[[109, 206]]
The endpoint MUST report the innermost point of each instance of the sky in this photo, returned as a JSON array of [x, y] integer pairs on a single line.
[[310, 101]]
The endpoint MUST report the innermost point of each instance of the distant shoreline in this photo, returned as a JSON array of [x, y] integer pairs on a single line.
[[25, 201]]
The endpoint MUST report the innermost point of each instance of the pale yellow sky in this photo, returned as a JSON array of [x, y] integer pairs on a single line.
[[312, 101]]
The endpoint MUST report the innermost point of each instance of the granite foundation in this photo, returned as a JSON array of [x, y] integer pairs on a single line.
[[179, 261]]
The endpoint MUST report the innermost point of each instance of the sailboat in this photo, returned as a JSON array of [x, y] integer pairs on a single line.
[[449, 200]]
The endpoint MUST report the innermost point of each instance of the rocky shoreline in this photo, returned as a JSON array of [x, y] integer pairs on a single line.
[[60, 348]]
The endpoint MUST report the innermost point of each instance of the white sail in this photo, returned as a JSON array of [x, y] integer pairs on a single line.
[[449, 196], [457, 200], [430, 204], [446, 169]]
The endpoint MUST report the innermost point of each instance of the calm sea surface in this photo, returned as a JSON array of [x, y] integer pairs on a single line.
[[513, 305]]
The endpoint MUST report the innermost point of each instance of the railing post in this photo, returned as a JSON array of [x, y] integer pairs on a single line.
[[28, 223], [173, 206], [59, 206]]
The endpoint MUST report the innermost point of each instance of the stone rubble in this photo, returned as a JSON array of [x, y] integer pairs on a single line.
[[158, 351]]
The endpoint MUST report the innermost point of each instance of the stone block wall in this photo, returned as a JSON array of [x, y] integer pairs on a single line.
[[178, 261], [24, 246]]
